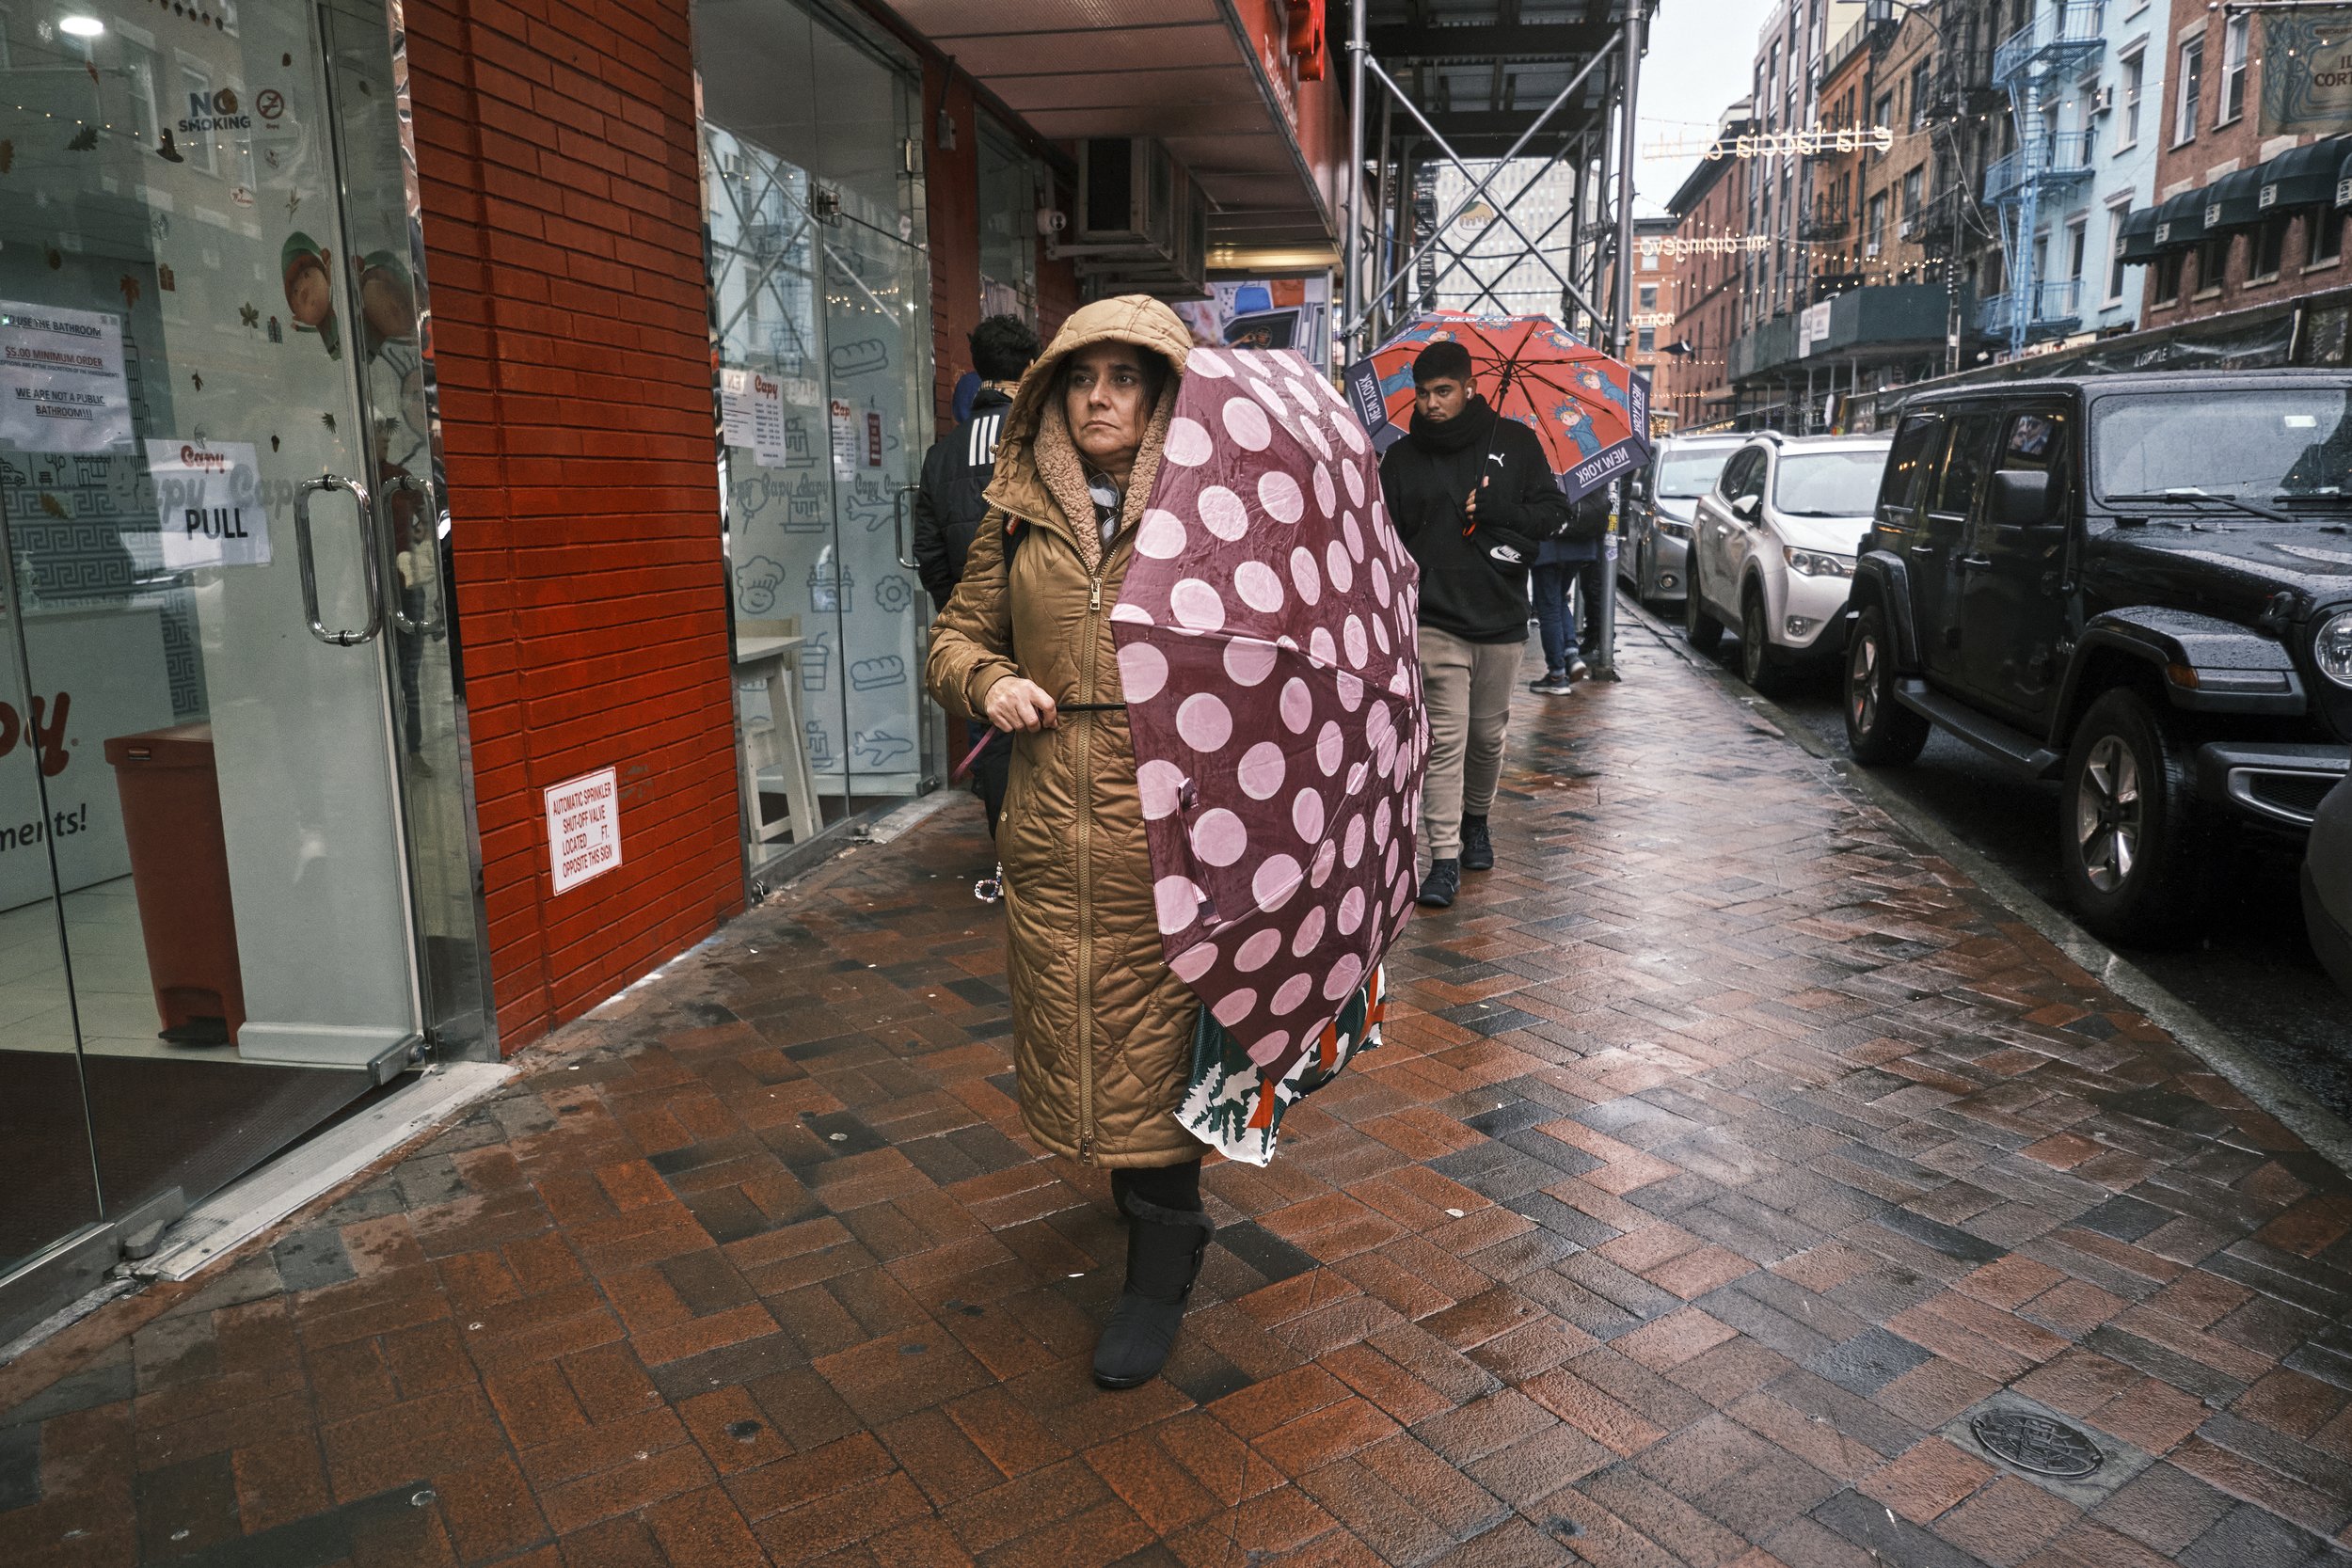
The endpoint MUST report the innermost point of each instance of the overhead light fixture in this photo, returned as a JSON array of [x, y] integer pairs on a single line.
[[81, 26]]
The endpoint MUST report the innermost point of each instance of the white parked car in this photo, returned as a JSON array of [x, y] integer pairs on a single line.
[[1773, 549]]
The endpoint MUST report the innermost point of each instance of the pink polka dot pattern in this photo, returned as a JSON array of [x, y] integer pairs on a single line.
[[1266, 643]]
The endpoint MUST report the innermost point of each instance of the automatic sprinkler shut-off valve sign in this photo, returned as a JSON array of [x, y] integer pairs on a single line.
[[583, 828]]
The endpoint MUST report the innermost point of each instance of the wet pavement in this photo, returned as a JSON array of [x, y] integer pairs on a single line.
[[2252, 973], [1737, 1185]]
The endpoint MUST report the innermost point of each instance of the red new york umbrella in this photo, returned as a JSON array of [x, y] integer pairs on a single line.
[[1265, 638], [1591, 411]]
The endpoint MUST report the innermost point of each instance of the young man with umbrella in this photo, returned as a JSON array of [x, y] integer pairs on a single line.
[[1472, 496]]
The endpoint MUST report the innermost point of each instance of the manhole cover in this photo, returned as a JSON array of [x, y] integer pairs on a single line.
[[2037, 1443]]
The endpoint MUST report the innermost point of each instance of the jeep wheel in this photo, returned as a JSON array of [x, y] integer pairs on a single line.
[[1880, 730], [2130, 843], [1761, 664], [1701, 630]]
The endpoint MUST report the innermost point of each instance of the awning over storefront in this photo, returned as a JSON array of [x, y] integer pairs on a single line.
[[2181, 222], [2234, 201], [2140, 237], [2304, 176], [1211, 82]]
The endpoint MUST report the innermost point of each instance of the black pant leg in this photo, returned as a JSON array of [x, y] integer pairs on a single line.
[[1169, 1186]]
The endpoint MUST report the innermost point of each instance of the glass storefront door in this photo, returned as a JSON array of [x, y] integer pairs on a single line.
[[227, 693], [821, 310]]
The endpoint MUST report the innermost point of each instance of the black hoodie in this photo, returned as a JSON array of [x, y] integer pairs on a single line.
[[950, 502], [1473, 584]]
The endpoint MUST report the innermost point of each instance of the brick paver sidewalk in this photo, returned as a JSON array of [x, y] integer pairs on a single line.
[[1727, 1161]]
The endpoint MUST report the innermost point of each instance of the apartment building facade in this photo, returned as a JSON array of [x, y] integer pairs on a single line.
[[1708, 244], [2082, 82], [2245, 208]]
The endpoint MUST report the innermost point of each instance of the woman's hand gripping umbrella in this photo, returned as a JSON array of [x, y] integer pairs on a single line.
[[1267, 635]]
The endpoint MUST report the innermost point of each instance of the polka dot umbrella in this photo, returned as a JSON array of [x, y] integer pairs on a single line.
[[1591, 411], [1265, 635]]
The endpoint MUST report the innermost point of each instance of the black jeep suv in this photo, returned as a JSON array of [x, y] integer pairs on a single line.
[[2141, 584]]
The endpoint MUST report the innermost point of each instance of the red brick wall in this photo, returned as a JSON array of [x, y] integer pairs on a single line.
[[1056, 281], [556, 142], [951, 181], [951, 186]]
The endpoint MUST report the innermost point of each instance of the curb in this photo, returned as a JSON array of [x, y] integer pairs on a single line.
[[2273, 1091]]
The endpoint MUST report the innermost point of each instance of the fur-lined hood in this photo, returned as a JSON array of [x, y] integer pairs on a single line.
[[1039, 476]]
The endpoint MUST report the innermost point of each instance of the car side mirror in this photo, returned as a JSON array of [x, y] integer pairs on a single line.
[[1744, 508], [2020, 497]]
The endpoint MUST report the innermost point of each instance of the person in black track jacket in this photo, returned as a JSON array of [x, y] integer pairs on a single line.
[[1472, 497], [951, 502]]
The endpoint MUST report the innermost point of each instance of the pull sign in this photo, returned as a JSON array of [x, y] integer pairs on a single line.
[[208, 503]]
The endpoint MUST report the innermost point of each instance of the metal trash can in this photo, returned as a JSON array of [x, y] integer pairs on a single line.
[[180, 873]]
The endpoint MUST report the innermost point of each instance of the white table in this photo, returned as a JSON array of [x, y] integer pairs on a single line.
[[774, 662]]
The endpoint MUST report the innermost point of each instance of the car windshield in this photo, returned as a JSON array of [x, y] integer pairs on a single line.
[[1829, 484], [1686, 475], [2278, 444]]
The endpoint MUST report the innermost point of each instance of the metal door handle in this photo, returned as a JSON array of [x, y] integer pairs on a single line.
[[369, 556], [415, 486], [1923, 549], [1975, 560], [898, 522]]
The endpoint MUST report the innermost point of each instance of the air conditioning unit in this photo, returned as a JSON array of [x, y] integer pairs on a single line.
[[1140, 218], [2103, 100]]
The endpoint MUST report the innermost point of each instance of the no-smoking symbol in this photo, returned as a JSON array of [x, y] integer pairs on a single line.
[[270, 103]]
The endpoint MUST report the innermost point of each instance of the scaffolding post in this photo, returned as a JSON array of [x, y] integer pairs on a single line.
[[1604, 661], [1400, 230], [1478, 188], [1352, 285]]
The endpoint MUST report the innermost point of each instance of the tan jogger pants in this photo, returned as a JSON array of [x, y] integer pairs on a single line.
[[1466, 687]]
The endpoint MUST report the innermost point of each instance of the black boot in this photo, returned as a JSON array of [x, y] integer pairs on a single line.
[[1164, 1249], [1438, 888], [1478, 851]]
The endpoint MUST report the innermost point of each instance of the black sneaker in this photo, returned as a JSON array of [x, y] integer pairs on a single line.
[[1438, 889], [1478, 850], [1552, 686]]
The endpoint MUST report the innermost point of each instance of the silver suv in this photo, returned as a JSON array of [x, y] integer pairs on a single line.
[[1772, 548], [1665, 498]]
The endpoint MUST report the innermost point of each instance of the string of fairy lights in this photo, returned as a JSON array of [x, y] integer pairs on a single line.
[[1727, 249], [1845, 252]]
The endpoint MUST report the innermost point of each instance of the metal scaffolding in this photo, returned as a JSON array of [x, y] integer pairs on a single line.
[[1449, 95]]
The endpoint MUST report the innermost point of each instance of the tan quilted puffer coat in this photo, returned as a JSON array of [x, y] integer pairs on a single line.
[[1103, 1030]]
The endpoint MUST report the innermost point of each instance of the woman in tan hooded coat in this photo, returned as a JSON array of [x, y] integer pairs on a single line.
[[1103, 1030]]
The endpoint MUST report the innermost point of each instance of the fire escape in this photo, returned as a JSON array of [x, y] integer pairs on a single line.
[[2054, 46]]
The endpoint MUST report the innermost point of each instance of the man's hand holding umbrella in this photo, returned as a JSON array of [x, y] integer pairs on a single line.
[[1500, 522]]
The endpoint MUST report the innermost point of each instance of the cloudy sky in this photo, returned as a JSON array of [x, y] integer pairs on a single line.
[[1700, 51]]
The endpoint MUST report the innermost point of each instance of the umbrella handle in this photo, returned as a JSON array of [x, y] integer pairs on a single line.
[[971, 756]]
